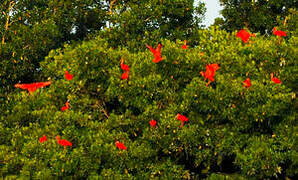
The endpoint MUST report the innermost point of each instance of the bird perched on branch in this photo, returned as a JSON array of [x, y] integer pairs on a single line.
[[156, 52], [63, 142]]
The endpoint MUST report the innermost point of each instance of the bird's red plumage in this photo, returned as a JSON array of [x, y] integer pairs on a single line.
[[275, 79], [65, 107], [243, 35], [68, 76], [120, 145], [63, 142], [279, 33], [152, 123], [33, 86], [184, 46], [182, 118], [124, 75], [247, 83], [210, 71], [43, 139], [156, 52]]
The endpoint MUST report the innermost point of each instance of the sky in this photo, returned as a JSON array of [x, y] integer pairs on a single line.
[[212, 12]]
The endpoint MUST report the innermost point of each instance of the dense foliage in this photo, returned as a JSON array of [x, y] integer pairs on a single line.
[[133, 23], [119, 115], [256, 15], [231, 129], [30, 29]]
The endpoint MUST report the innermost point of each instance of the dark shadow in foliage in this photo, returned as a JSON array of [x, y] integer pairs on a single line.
[[114, 106]]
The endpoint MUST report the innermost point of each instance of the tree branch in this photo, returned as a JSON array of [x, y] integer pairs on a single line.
[[11, 4]]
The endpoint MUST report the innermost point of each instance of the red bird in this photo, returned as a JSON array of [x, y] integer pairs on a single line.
[[156, 52], [124, 75], [214, 66], [33, 86], [120, 145], [182, 119], [65, 107], [279, 33], [43, 139], [63, 142], [184, 46], [244, 35], [152, 123], [210, 72], [68, 76], [275, 79], [124, 67], [246, 83]]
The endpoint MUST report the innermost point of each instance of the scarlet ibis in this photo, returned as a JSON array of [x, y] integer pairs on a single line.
[[124, 67], [43, 139], [63, 142], [68, 76], [214, 66], [152, 123], [65, 107], [184, 46], [243, 35], [33, 86], [279, 33], [246, 83], [156, 52], [120, 145], [210, 72], [182, 119], [124, 75], [275, 79]]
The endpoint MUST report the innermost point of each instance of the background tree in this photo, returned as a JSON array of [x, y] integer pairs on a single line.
[[30, 29], [134, 23], [258, 16]]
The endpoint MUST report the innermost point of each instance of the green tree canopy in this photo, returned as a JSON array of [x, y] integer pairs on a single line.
[[133, 23], [238, 99], [30, 29], [231, 128], [256, 15]]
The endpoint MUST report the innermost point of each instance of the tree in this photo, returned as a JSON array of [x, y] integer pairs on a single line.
[[30, 29], [229, 125], [225, 125], [134, 23], [258, 16]]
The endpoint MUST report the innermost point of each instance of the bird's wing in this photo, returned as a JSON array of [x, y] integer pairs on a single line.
[[42, 84], [158, 49], [151, 49]]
